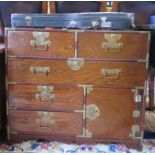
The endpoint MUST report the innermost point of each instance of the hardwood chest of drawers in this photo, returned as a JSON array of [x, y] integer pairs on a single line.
[[77, 86]]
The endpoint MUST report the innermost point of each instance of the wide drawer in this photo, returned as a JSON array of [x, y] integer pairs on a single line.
[[113, 45], [45, 122], [45, 97], [91, 73], [40, 44], [114, 113]]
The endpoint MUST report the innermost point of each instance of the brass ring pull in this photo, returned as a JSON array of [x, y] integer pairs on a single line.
[[35, 69], [111, 73]]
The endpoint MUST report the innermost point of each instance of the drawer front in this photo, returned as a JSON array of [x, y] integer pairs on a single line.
[[45, 122], [45, 97], [40, 44], [91, 73], [113, 115], [113, 45]]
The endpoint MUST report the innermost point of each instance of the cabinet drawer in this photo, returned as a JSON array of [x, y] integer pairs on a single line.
[[45, 122], [114, 112], [113, 45], [91, 73], [45, 97], [40, 44]]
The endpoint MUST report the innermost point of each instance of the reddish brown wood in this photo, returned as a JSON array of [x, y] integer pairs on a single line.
[[90, 45], [116, 108], [28, 122], [52, 7], [112, 95], [115, 6], [44, 6], [89, 74], [62, 44], [65, 98], [103, 5]]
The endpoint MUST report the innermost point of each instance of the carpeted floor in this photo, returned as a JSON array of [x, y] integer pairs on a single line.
[[57, 147]]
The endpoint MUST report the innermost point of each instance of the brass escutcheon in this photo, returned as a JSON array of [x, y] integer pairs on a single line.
[[92, 111], [75, 64]]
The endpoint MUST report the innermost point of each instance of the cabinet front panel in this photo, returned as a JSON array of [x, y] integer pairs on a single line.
[[91, 73], [113, 45], [45, 122], [40, 44], [45, 97], [113, 112]]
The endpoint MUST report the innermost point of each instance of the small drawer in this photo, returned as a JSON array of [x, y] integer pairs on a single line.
[[113, 45], [43, 122], [91, 72], [113, 112], [47, 97], [40, 43]]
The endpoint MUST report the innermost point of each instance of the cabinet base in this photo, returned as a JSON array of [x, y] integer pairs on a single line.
[[17, 138]]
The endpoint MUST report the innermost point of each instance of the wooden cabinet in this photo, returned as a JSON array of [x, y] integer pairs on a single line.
[[79, 86]]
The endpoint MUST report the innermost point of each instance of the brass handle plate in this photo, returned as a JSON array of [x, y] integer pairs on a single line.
[[40, 42], [35, 69], [46, 119], [45, 95], [112, 42], [111, 73]]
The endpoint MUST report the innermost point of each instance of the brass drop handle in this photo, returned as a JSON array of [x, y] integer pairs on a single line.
[[40, 42], [35, 69], [46, 119], [117, 46], [45, 98], [111, 73], [41, 47]]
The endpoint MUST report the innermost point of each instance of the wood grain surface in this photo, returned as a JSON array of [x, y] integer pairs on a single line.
[[65, 98], [90, 73]]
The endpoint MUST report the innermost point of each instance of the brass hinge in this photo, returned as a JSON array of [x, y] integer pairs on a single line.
[[8, 131], [12, 56], [141, 61], [137, 96], [83, 111], [11, 108], [85, 134], [135, 129], [11, 82], [136, 113], [75, 64], [75, 30], [144, 32], [7, 107], [87, 88], [11, 132]]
